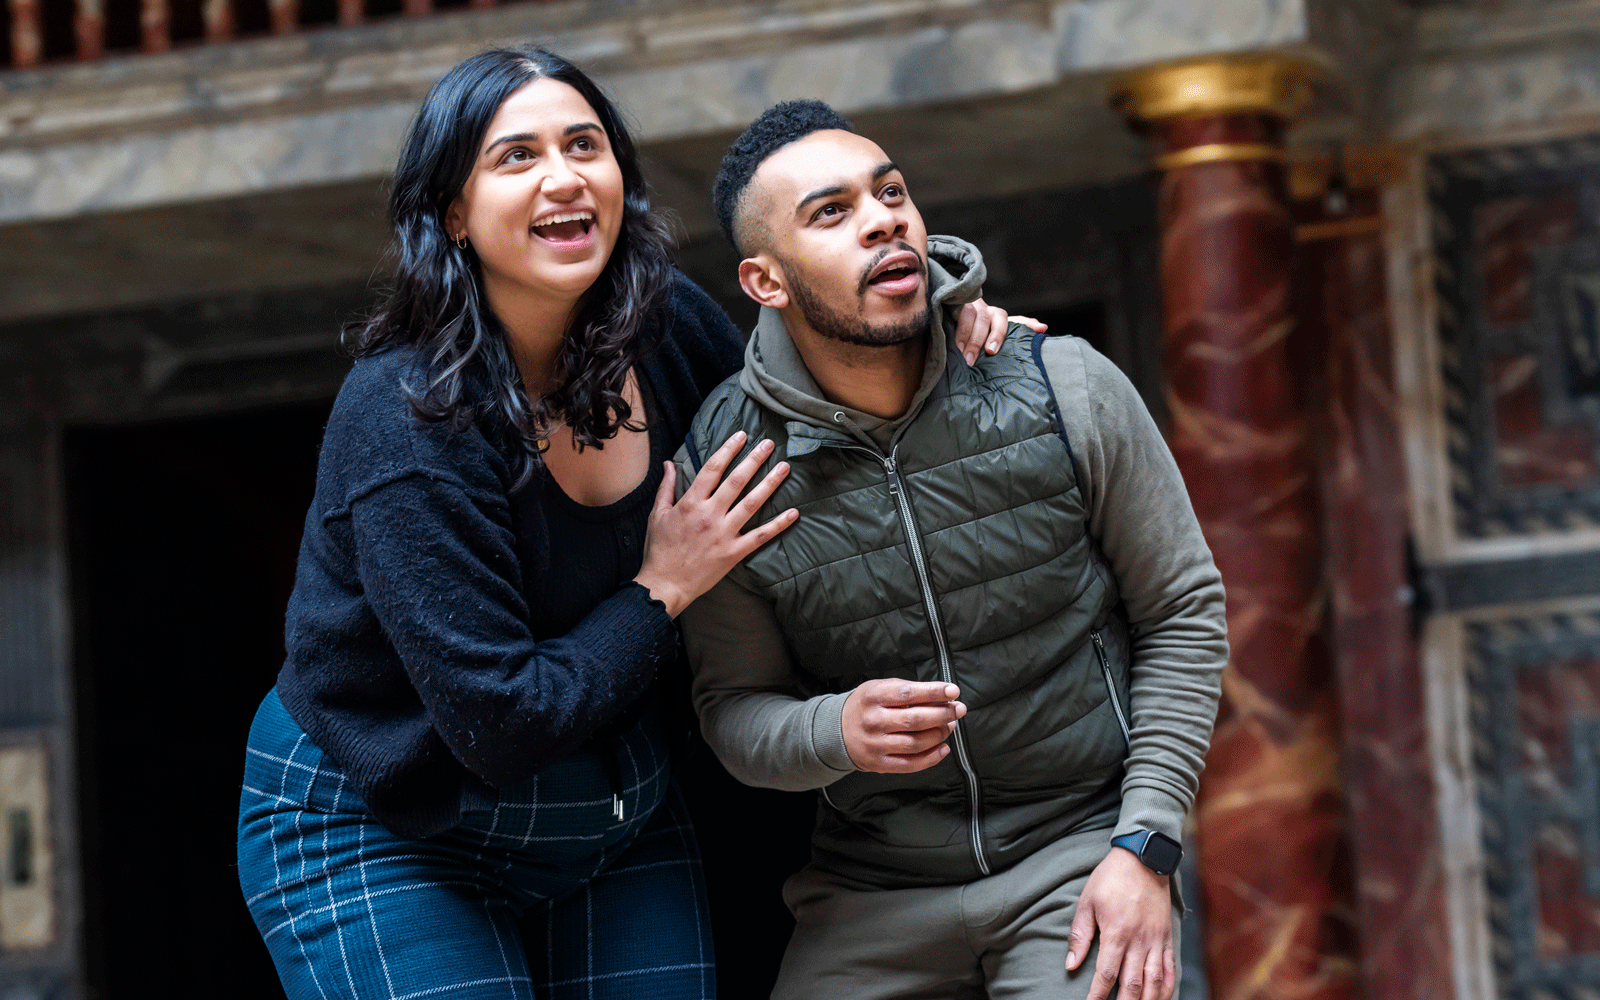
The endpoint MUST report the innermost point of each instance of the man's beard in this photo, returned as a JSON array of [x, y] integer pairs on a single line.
[[837, 325]]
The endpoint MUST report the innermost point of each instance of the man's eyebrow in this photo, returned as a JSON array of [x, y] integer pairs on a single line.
[[581, 127], [822, 192], [888, 166]]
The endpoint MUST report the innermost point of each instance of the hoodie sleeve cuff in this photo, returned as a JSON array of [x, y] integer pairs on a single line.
[[1146, 808], [827, 733]]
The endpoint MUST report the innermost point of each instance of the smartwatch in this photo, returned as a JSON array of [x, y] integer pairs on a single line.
[[1159, 852]]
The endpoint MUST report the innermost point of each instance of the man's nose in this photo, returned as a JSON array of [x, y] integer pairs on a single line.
[[880, 222]]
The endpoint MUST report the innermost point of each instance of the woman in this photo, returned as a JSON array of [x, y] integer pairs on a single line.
[[460, 784]]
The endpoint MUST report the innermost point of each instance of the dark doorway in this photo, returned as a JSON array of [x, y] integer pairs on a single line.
[[183, 538]]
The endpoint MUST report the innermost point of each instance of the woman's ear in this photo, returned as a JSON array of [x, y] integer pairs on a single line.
[[763, 280], [455, 221]]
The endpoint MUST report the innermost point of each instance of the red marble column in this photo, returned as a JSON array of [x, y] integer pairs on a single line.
[[283, 16], [1273, 858], [27, 34], [1346, 349], [89, 29], [218, 18], [155, 25]]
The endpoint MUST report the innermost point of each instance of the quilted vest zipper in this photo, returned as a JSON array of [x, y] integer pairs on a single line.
[[958, 737], [1111, 686]]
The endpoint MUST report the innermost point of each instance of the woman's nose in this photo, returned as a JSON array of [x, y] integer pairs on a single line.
[[562, 181]]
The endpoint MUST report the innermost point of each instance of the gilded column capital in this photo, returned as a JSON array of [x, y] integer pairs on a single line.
[[1274, 84]]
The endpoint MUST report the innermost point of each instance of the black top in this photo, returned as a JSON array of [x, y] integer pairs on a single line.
[[424, 656], [598, 548]]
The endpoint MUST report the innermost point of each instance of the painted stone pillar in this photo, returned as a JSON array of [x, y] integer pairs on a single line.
[[1273, 862]]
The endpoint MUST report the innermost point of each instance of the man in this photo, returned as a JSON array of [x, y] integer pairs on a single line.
[[992, 640]]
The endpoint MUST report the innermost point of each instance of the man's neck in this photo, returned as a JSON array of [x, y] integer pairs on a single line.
[[880, 381]]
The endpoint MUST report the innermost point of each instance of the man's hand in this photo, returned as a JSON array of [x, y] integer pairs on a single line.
[[982, 327], [897, 727], [1132, 907]]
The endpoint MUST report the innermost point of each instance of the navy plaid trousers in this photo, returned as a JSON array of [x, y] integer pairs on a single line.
[[541, 895]]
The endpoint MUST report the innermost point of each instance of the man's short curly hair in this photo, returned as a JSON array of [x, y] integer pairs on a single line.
[[778, 126]]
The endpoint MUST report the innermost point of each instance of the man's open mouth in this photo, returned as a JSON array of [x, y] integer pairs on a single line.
[[896, 274], [565, 227]]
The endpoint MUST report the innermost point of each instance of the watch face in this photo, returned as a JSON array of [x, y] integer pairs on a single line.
[[1161, 853]]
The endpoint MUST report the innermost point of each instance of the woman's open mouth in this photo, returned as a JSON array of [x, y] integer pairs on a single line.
[[566, 230]]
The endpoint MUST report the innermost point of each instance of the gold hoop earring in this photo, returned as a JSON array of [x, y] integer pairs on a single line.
[[461, 243]]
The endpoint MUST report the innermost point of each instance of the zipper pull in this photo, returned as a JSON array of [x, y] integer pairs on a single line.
[[1095, 635], [616, 807]]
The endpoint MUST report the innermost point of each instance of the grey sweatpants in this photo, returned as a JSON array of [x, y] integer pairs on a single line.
[[1001, 937]]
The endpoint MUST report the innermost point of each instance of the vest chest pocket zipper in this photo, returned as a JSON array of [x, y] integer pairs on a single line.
[[1111, 686]]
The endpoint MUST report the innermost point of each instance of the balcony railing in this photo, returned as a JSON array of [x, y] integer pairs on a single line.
[[47, 31]]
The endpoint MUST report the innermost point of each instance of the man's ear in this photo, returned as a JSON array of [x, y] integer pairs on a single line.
[[763, 280]]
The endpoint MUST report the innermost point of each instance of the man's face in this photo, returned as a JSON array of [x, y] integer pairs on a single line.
[[844, 239]]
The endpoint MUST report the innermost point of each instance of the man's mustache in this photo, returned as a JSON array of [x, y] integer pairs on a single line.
[[877, 258]]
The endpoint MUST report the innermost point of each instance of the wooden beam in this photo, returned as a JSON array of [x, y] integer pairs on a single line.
[[27, 34], [417, 8], [89, 29], [351, 12], [480, 4], [155, 25]]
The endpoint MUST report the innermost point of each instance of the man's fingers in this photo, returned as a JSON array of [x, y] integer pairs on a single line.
[[911, 744], [911, 763], [1133, 977], [1170, 971], [1155, 975], [1082, 933], [915, 720], [898, 693], [1107, 964]]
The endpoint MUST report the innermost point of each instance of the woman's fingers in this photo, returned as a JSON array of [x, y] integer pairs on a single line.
[[726, 494], [757, 537], [967, 340], [667, 490], [746, 508], [710, 474]]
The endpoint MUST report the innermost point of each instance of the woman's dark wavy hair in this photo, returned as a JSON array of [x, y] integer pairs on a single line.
[[437, 300]]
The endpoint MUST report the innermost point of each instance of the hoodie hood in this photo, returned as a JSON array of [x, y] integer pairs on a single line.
[[776, 376]]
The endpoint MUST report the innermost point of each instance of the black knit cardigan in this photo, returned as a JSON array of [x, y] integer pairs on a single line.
[[411, 657]]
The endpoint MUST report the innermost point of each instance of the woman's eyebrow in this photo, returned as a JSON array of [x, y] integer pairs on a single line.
[[513, 137]]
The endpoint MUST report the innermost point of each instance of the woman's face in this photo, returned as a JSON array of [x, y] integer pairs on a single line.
[[543, 204]]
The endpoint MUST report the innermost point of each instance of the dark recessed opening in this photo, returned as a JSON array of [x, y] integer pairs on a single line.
[[183, 538], [60, 37]]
